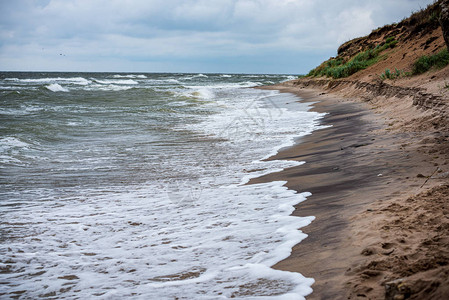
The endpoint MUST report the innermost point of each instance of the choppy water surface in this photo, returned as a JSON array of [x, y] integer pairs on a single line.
[[132, 185]]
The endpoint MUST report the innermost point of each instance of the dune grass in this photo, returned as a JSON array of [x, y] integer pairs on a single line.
[[425, 63], [337, 68]]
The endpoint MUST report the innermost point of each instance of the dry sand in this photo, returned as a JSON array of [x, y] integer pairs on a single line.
[[379, 178]]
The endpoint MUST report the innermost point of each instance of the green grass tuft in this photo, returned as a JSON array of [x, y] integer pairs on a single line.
[[425, 63], [389, 39], [337, 68], [393, 75]]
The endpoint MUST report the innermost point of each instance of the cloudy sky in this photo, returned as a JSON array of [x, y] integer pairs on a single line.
[[223, 36]]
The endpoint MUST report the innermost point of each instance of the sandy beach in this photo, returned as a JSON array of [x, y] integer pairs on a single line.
[[379, 197]]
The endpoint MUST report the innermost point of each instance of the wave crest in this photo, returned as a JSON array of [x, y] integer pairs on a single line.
[[54, 87]]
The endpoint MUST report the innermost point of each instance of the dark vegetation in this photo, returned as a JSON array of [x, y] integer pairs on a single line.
[[337, 68], [393, 75], [421, 65], [425, 63]]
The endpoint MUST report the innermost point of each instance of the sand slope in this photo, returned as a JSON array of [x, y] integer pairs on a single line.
[[379, 176]]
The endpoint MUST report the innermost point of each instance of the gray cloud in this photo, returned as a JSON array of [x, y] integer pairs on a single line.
[[174, 35]]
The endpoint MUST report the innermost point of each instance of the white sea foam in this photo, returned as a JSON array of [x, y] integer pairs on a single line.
[[290, 77], [55, 87], [8, 159], [163, 82], [194, 77], [135, 237], [15, 89], [140, 76], [260, 118], [189, 227], [108, 87], [12, 142], [78, 80], [250, 84], [202, 93], [208, 92], [171, 80]]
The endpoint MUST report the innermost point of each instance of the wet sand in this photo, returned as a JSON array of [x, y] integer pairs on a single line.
[[354, 169]]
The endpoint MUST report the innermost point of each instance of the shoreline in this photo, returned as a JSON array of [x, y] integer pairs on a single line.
[[355, 169]]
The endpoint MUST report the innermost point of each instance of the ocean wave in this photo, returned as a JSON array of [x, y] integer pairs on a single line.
[[171, 80], [113, 81], [23, 110], [250, 84], [73, 80], [14, 89], [6, 159], [224, 86], [203, 93], [130, 76], [194, 76], [163, 81], [290, 77], [109, 87], [226, 234], [54, 87], [12, 142]]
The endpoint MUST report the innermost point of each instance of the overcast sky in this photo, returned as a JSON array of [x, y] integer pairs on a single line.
[[223, 36]]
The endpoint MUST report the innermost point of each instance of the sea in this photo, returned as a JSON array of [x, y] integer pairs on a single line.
[[134, 185]]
